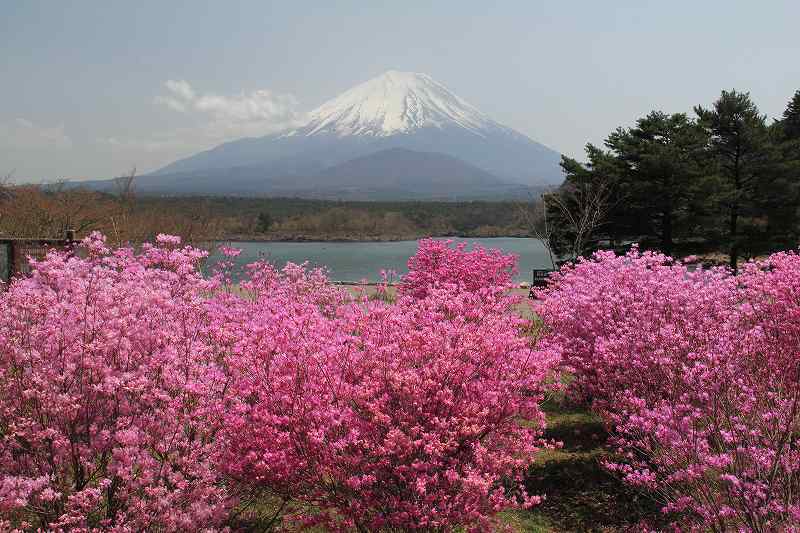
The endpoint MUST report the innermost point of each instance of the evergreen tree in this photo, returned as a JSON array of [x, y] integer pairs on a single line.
[[264, 222], [791, 119], [727, 178], [661, 160], [785, 193], [740, 146]]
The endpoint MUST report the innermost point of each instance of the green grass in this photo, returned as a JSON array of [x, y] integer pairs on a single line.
[[579, 494]]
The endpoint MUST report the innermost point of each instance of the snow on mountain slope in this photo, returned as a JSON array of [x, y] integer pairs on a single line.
[[394, 102]]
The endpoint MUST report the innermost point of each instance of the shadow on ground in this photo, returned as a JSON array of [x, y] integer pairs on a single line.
[[580, 495]]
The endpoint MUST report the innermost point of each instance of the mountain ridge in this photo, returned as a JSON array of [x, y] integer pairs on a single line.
[[411, 175]]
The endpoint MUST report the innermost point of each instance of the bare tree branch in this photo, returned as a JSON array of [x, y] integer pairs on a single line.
[[125, 186], [584, 207], [534, 215]]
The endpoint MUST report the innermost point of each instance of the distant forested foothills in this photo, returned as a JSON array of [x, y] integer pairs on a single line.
[[301, 219], [724, 181], [32, 211]]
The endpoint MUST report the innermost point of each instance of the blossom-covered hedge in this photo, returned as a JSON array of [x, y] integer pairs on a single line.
[[697, 373], [109, 382], [135, 394]]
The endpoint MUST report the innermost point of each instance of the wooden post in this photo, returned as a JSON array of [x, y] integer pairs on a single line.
[[5, 274], [69, 236], [12, 259]]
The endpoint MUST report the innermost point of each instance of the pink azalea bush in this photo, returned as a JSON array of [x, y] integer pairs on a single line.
[[106, 386], [438, 263], [696, 374], [385, 416], [627, 326], [135, 394]]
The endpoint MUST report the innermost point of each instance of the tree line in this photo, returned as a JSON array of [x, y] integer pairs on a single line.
[[41, 211], [47, 211], [726, 179]]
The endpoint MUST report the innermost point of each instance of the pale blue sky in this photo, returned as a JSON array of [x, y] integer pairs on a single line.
[[83, 84]]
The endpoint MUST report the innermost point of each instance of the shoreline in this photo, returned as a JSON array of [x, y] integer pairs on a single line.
[[302, 239], [516, 286]]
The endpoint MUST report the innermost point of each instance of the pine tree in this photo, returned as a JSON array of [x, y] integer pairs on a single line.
[[740, 145], [791, 118], [264, 222], [784, 217], [662, 161]]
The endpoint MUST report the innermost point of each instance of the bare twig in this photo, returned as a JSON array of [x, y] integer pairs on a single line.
[[584, 207]]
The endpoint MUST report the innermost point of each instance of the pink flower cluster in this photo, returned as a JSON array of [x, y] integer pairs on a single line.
[[697, 374], [108, 384], [438, 263], [137, 395]]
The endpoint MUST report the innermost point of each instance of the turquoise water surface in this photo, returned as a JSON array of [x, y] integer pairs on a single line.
[[357, 261]]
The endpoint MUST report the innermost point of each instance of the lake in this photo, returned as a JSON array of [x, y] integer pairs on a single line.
[[356, 261]]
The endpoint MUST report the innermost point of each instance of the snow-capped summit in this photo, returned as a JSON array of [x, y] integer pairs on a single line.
[[394, 102]]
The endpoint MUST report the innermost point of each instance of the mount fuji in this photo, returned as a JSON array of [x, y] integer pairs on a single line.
[[399, 135]]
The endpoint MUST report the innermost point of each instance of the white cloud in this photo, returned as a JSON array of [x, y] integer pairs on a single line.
[[22, 134], [213, 119], [272, 111], [180, 88], [202, 121]]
